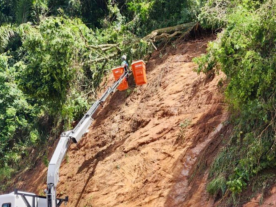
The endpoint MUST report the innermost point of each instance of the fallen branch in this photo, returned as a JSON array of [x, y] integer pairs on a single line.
[[105, 47], [112, 55], [169, 32], [164, 34]]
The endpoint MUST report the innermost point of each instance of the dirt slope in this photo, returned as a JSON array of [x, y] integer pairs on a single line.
[[146, 143]]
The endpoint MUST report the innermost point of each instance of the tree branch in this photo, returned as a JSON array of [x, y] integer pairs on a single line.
[[169, 32], [112, 55]]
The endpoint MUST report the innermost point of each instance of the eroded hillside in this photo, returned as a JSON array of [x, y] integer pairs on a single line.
[[147, 142]]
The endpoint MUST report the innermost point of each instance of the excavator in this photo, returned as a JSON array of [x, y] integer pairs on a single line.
[[25, 199]]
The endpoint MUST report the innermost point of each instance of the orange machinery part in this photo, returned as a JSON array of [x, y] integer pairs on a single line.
[[117, 73], [139, 72]]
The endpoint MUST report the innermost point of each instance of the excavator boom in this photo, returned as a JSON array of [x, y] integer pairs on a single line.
[[25, 199], [75, 135]]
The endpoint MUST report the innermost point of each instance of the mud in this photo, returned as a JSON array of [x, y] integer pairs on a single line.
[[145, 144]]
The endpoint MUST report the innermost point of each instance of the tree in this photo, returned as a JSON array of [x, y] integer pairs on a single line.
[[15, 128]]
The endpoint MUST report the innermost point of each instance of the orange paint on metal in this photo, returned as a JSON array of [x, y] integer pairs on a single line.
[[139, 72], [117, 73]]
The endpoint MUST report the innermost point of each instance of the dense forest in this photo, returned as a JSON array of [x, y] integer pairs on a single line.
[[54, 54]]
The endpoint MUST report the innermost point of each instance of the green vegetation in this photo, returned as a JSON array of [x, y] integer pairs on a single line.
[[182, 131], [17, 120], [53, 56], [245, 52], [154, 14]]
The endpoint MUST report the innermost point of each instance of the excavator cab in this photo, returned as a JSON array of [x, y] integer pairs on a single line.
[[7, 200], [25, 199], [21, 199]]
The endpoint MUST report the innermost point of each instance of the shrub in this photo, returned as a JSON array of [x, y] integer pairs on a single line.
[[245, 52]]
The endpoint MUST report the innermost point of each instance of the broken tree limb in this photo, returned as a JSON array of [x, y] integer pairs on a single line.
[[153, 45], [111, 51], [112, 55], [105, 47], [169, 32]]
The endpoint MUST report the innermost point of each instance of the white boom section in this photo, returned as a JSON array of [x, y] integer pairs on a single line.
[[76, 135]]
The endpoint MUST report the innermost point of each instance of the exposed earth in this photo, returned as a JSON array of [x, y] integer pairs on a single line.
[[150, 145]]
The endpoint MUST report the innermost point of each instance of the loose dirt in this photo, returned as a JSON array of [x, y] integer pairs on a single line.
[[146, 143]]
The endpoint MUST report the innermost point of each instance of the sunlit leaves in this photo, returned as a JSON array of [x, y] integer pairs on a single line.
[[14, 119], [55, 49], [245, 52]]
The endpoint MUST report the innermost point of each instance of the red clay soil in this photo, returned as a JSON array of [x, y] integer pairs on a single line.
[[145, 144], [263, 200]]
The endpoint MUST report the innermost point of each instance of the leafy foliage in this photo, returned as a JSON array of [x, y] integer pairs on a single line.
[[6, 33], [15, 128], [245, 52], [153, 14], [54, 52], [23, 10], [53, 56], [6, 11], [217, 185], [215, 13]]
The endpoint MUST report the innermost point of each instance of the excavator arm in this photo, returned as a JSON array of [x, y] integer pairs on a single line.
[[20, 198], [75, 135]]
